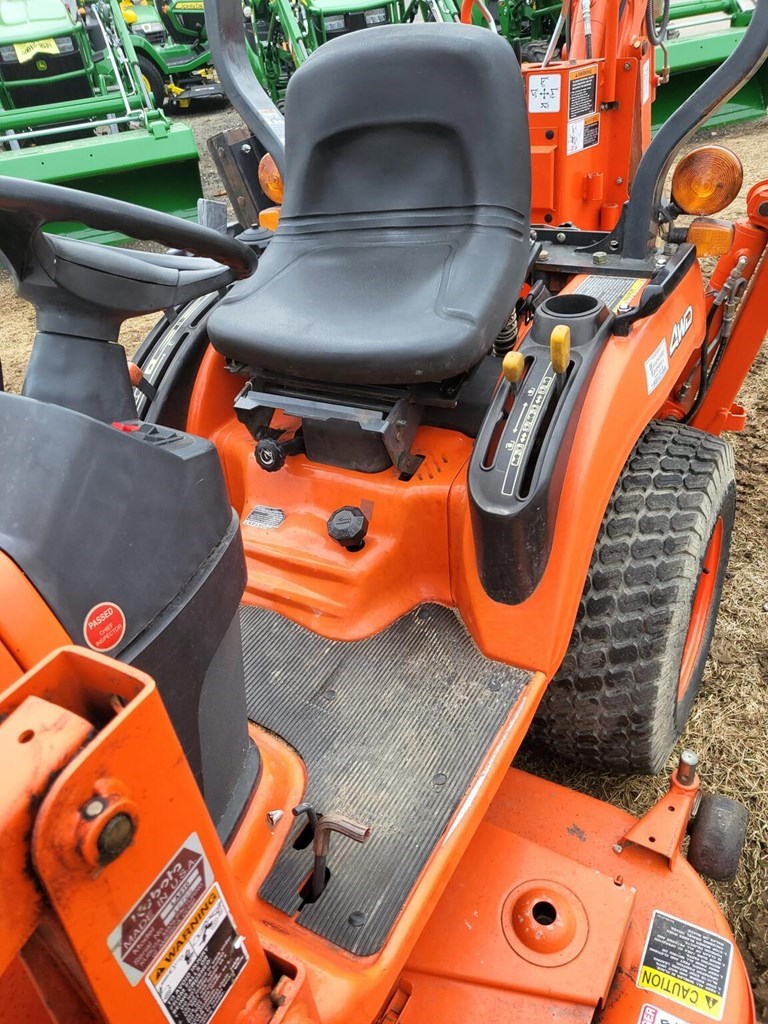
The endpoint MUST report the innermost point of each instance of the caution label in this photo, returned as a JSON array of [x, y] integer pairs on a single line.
[[613, 291], [687, 964], [200, 964], [583, 133], [653, 1015], [582, 92], [146, 931]]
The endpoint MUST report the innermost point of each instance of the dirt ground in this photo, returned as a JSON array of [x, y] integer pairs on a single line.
[[728, 727]]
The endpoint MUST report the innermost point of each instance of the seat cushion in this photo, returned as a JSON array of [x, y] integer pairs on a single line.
[[386, 307]]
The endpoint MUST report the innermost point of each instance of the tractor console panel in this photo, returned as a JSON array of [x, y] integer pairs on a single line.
[[519, 460], [127, 533]]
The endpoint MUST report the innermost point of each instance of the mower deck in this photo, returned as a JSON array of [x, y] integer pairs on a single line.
[[392, 730]]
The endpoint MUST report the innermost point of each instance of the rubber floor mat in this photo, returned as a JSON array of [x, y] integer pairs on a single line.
[[392, 730]]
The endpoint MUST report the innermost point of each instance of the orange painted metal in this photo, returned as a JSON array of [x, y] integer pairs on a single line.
[[662, 830], [463, 968], [419, 545], [702, 606], [28, 628], [37, 739], [348, 988], [133, 761], [719, 411]]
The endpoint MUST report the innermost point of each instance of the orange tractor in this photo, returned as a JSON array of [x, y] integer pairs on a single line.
[[383, 490]]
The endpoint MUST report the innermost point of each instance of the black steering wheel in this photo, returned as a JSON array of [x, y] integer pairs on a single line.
[[86, 289]]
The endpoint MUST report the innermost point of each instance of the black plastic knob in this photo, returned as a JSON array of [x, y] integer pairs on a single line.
[[348, 526], [270, 455]]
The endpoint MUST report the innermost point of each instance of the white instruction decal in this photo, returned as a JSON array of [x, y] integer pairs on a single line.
[[656, 366], [687, 964], [544, 94], [653, 1015], [583, 133]]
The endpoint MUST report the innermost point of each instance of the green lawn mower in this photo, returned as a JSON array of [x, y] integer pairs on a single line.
[[74, 110], [172, 50]]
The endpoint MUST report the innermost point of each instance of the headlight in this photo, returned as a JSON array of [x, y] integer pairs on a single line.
[[8, 55], [149, 27], [334, 23], [65, 44], [376, 17]]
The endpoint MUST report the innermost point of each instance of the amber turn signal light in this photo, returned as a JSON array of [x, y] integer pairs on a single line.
[[269, 218], [707, 180], [711, 237], [269, 179]]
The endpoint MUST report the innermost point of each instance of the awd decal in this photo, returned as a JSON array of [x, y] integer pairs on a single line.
[[680, 329]]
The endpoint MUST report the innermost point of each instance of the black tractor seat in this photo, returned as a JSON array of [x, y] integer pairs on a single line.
[[404, 234]]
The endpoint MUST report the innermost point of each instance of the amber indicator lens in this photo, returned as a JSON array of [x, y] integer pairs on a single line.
[[269, 179], [707, 180]]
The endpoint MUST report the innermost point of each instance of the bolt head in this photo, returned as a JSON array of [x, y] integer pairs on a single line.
[[245, 148], [543, 256], [93, 808], [599, 258], [561, 236], [115, 838], [348, 526], [273, 817]]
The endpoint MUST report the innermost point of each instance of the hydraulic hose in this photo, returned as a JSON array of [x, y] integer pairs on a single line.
[[657, 33]]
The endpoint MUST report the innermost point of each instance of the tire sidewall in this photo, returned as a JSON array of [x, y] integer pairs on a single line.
[[725, 511]]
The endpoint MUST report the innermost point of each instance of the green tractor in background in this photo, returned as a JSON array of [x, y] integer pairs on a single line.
[[172, 50], [283, 33], [74, 110]]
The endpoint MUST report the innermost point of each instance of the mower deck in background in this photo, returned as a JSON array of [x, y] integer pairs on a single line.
[[386, 488], [75, 111]]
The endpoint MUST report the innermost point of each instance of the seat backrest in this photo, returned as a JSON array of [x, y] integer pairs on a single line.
[[405, 118]]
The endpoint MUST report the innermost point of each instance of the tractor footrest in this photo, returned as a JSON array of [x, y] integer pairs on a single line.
[[392, 730]]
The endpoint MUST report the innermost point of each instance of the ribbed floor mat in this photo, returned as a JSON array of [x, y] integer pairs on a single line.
[[392, 730]]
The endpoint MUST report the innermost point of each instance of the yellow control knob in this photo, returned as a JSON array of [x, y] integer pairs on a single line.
[[560, 348], [513, 367]]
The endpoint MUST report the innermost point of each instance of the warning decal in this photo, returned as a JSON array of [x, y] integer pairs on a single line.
[[146, 931], [687, 964], [582, 92], [653, 1015], [200, 964], [583, 133], [264, 518]]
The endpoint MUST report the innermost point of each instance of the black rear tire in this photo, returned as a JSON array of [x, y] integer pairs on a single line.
[[717, 837], [614, 703], [153, 79]]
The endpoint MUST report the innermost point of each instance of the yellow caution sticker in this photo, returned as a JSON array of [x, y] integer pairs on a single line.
[[26, 51], [687, 964], [613, 291]]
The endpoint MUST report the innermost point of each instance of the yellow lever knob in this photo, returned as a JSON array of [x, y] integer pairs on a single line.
[[560, 348], [513, 367]]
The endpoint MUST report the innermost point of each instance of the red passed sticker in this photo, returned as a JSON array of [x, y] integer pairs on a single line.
[[104, 626]]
